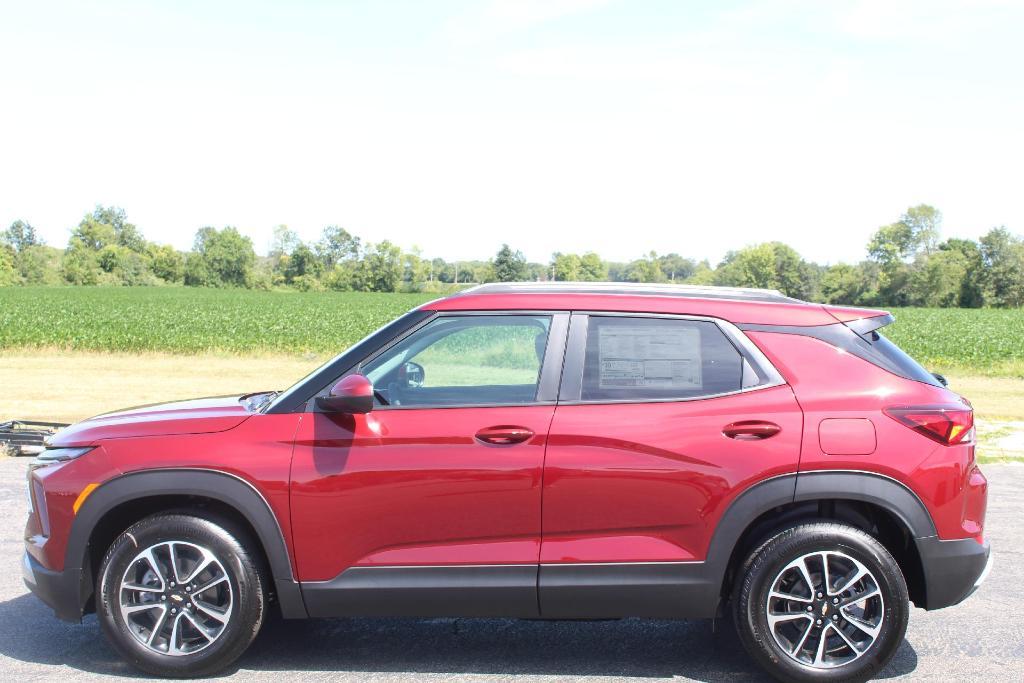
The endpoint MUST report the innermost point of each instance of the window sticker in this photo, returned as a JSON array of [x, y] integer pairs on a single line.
[[665, 357]]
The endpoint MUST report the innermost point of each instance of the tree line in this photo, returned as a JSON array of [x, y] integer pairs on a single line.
[[908, 264]]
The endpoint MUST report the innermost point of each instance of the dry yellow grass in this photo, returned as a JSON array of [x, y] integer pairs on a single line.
[[993, 398], [67, 387]]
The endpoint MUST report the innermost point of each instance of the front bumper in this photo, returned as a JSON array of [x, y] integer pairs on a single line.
[[59, 590], [952, 569]]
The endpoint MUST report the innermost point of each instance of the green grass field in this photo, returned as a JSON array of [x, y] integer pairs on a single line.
[[190, 320], [966, 341]]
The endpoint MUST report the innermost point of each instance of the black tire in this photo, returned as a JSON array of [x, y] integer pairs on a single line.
[[768, 564], [245, 603]]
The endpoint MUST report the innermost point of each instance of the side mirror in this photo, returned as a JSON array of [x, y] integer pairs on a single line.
[[412, 375], [352, 394]]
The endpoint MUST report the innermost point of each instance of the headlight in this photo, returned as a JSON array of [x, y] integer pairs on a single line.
[[55, 455]]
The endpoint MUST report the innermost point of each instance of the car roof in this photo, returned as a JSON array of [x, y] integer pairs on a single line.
[[631, 288], [736, 304]]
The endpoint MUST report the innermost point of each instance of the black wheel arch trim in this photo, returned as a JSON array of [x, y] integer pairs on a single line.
[[223, 487], [877, 489], [894, 496]]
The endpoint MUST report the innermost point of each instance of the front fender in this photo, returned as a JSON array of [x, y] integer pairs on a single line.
[[229, 489]]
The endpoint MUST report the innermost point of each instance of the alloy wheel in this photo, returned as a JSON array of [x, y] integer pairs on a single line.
[[825, 609], [176, 598]]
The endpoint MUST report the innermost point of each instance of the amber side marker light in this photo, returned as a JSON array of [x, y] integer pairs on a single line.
[[82, 496], [946, 424]]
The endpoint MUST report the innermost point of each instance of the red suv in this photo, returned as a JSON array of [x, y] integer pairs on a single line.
[[541, 451]]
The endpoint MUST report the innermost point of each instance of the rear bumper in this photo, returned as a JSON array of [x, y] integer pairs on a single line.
[[59, 590], [952, 569]]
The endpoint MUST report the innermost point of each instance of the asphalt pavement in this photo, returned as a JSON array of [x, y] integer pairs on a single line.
[[979, 640]]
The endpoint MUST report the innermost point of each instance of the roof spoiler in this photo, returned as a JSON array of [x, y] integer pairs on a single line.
[[865, 326], [860, 320]]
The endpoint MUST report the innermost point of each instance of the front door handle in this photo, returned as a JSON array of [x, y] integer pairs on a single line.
[[504, 435], [751, 430]]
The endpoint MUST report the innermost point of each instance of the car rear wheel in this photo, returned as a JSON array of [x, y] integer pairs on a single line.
[[822, 602], [180, 595]]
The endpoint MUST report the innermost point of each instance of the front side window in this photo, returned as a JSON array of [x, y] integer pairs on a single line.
[[630, 358], [463, 360]]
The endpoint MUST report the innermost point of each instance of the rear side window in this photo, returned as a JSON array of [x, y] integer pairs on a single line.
[[630, 358], [897, 361]]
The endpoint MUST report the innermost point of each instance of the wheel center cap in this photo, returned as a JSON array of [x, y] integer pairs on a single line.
[[177, 598], [824, 608]]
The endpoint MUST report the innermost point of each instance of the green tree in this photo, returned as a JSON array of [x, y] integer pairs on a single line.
[[302, 262], [415, 269], [109, 225], [114, 249], [33, 261], [221, 258], [337, 245], [617, 271], [380, 269], [122, 266], [92, 235], [8, 273], [509, 266], [592, 268], [20, 236], [702, 275], [536, 272], [972, 292], [917, 232], [771, 265], [283, 241], [197, 271], [566, 267], [675, 267], [938, 279], [647, 269], [898, 248], [167, 263], [925, 224], [1003, 256], [39, 265], [851, 285], [80, 265]]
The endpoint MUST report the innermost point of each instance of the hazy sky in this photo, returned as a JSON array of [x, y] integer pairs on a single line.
[[555, 125]]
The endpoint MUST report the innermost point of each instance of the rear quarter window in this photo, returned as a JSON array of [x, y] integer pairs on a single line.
[[899, 361]]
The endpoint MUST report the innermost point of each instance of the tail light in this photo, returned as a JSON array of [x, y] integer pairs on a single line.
[[947, 424]]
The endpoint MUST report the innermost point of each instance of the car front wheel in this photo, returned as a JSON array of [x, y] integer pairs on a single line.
[[180, 595], [822, 602]]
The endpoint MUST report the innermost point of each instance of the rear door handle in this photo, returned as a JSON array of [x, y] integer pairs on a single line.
[[751, 430], [504, 435]]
